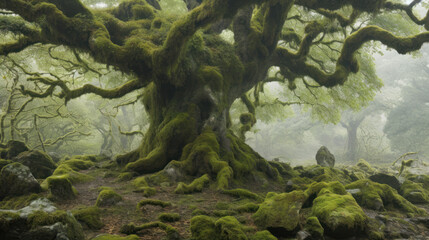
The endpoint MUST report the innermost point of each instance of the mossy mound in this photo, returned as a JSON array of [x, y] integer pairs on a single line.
[[225, 228], [78, 164], [314, 227], [60, 188], [115, 237], [196, 186], [72, 175], [125, 176], [414, 192], [16, 203], [325, 174], [41, 165], [423, 179], [272, 213], [16, 180], [262, 235], [365, 167], [242, 193], [169, 217], [381, 197], [107, 198], [153, 202], [89, 217], [39, 221], [339, 215]]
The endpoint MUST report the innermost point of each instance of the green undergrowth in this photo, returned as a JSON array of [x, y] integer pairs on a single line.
[[153, 202], [16, 203]]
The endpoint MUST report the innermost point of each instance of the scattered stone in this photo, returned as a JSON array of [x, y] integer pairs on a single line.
[[41, 165], [60, 188], [324, 157], [386, 179], [39, 221], [108, 198], [273, 211], [90, 217], [16, 180]]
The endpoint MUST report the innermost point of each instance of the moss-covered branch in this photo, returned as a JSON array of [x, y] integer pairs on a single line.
[[409, 10], [347, 63]]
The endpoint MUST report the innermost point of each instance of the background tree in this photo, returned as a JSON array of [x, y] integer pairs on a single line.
[[192, 76]]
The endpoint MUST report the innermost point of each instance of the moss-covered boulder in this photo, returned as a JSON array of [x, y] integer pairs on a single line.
[[4, 162], [325, 174], [381, 197], [314, 228], [89, 217], [41, 165], [78, 164], [339, 215], [169, 217], [39, 221], [365, 166], [72, 175], [16, 179], [414, 192], [14, 148], [262, 235], [107, 198], [225, 228], [279, 213], [60, 188], [383, 178], [324, 157]]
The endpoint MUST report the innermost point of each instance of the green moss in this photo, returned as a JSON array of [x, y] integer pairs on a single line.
[[288, 204], [196, 186], [169, 217], [41, 165], [90, 216], [107, 198], [198, 211], [142, 12], [78, 164], [325, 174], [212, 76], [140, 182], [248, 208], [131, 229], [365, 166], [414, 192], [222, 206], [262, 235], [60, 188], [242, 193], [203, 228], [313, 226], [41, 218], [71, 175], [126, 176], [115, 237], [339, 215], [229, 228], [223, 213], [18, 202], [153, 202], [318, 188], [380, 197]]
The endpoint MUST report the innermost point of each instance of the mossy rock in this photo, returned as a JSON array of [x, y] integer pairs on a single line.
[[365, 166], [242, 193], [107, 198], [248, 208], [273, 211], [381, 197], [78, 164], [314, 227], [125, 176], [423, 179], [14, 148], [153, 202], [60, 188], [386, 179], [262, 235], [41, 165], [414, 192], [225, 228], [39, 221], [16, 180], [115, 237], [169, 217], [16, 203], [325, 174], [70, 174], [89, 217], [340, 215], [324, 157]]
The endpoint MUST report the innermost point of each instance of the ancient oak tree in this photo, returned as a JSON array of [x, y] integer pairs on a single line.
[[191, 75]]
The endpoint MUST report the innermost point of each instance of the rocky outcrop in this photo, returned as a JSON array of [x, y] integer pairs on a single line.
[[324, 157], [16, 179], [41, 165]]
